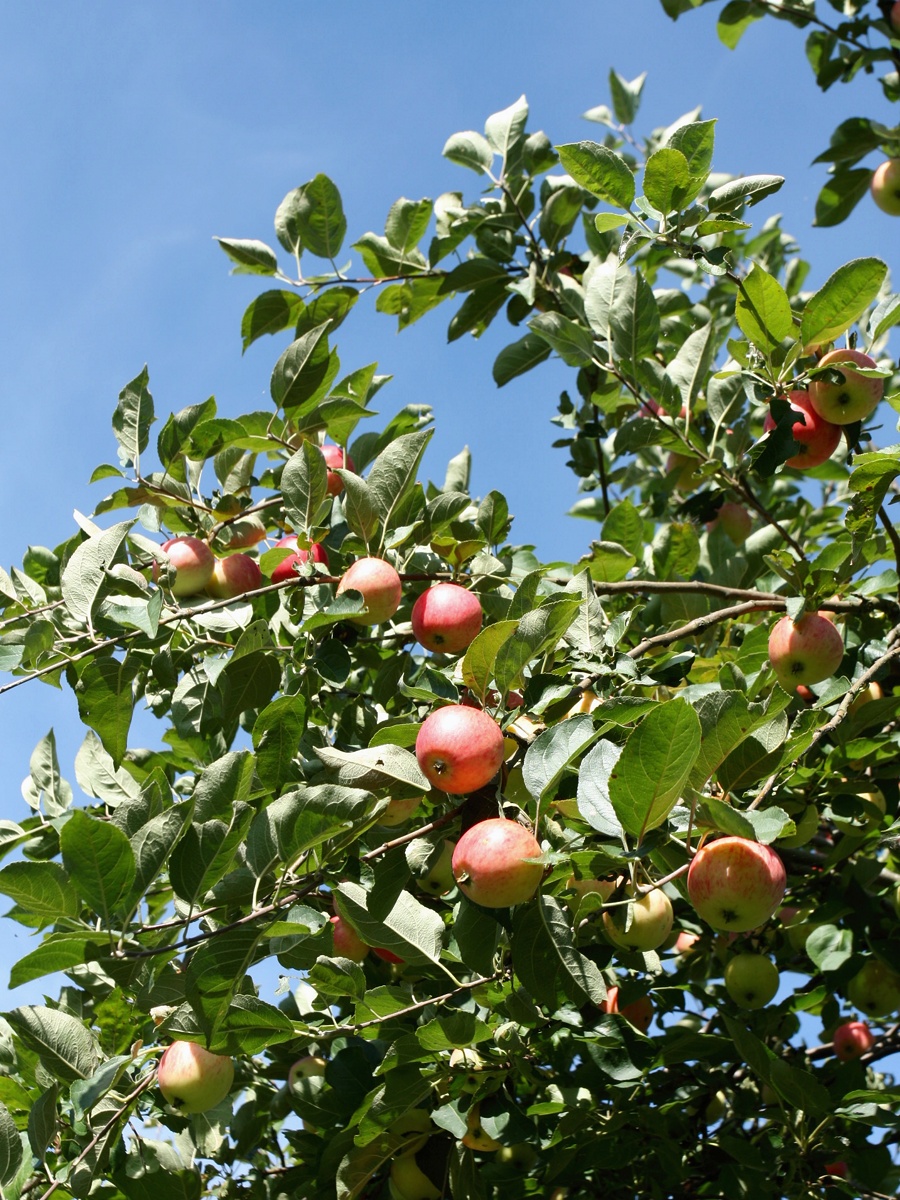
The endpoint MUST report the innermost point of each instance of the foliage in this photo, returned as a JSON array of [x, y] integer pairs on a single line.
[[633, 687]]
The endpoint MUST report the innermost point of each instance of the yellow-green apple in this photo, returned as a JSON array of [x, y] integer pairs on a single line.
[[852, 1039], [715, 1109], [651, 921], [310, 1067], [414, 1127], [438, 880], [459, 749], [475, 1136], [885, 187], [246, 531], [735, 884], [805, 651], [285, 569], [380, 587], [346, 941], [818, 437], [492, 863], [735, 521], [409, 1182], [446, 618], [751, 980], [638, 1013], [872, 691], [193, 562], [192, 1079], [520, 1157], [233, 576], [399, 811], [685, 468], [586, 703], [604, 888], [870, 818], [875, 989], [856, 398], [335, 457]]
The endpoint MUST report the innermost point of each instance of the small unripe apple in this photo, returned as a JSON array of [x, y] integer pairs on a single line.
[[715, 1109], [379, 585], [875, 989], [521, 1156], [192, 1079], [336, 457], [439, 879], [310, 1067], [475, 1137], [233, 576], [751, 980], [852, 1039], [638, 1013], [818, 437], [409, 1181], [399, 811], [853, 400], [446, 618], [885, 187], [805, 651], [491, 863], [346, 941], [193, 562], [686, 469], [459, 749], [414, 1126], [604, 888], [872, 691], [735, 884], [651, 922]]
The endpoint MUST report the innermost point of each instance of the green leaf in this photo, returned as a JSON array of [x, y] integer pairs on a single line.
[[841, 300], [384, 260], [10, 1147], [763, 310], [392, 477], [133, 418], [600, 171], [726, 718], [544, 955], [504, 131], [626, 96], [374, 767], [104, 690], [270, 313], [519, 357], [311, 217], [41, 888], [100, 862], [251, 257], [666, 179], [304, 485], [478, 663], [65, 1047], [277, 731], [571, 341], [695, 141], [622, 309], [85, 576], [407, 222], [215, 973], [735, 19], [654, 766], [594, 776], [538, 631], [746, 189], [885, 316], [302, 369], [469, 149], [550, 754], [840, 195], [410, 930]]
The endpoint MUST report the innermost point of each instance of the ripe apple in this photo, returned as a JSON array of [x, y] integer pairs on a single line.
[[735, 521], [192, 1079], [459, 749], [521, 1156], [285, 569], [686, 943], [651, 921], [838, 1169], [852, 1039], [387, 956], [247, 531], [399, 811], [491, 863], [885, 187], [346, 941], [638, 1013], [379, 585], [875, 989], [818, 437], [735, 884], [853, 400], [805, 651], [233, 576], [439, 879], [895, 16], [446, 618], [336, 457], [751, 980], [475, 1137], [193, 562], [409, 1181]]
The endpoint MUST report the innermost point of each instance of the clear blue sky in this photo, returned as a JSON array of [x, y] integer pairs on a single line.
[[131, 134]]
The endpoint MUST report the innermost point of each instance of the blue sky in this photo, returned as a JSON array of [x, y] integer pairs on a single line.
[[130, 135]]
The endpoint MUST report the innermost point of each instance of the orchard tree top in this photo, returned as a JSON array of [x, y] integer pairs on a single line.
[[598, 894]]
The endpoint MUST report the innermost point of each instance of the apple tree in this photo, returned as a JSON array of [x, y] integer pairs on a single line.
[[449, 872]]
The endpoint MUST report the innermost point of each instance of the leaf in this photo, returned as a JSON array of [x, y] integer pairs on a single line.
[[304, 485], [841, 300], [251, 257], [301, 369], [277, 731], [544, 952], [133, 418], [407, 222], [392, 476], [550, 754], [537, 632], [311, 217], [62, 1043], [410, 930], [763, 310], [104, 690], [270, 313], [100, 862], [735, 19], [622, 309], [216, 971], [600, 171], [42, 888], [519, 357], [86, 574], [594, 776], [11, 1151], [666, 179], [374, 767], [478, 663], [654, 766], [571, 341], [840, 195], [470, 150], [504, 130], [626, 96], [746, 189], [695, 140]]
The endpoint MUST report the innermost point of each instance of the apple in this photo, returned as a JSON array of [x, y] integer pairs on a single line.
[[346, 941], [233, 576], [685, 468], [491, 863], [247, 531], [285, 569], [414, 1126], [475, 1137], [387, 956], [852, 1039], [521, 1156], [638, 1013], [438, 880], [885, 187], [193, 562], [751, 980], [686, 943], [735, 884], [805, 651], [336, 457], [735, 521], [872, 691], [875, 989], [192, 1079], [586, 703], [446, 618], [459, 749], [409, 1181], [715, 1108], [853, 400], [399, 811], [838, 1169], [604, 888], [651, 921], [818, 437], [312, 1066], [379, 585]]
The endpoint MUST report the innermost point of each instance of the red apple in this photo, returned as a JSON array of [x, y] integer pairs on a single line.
[[885, 186], [837, 1169], [459, 749], [735, 884], [192, 1079], [233, 576], [751, 980], [818, 437], [735, 521], [853, 400], [346, 941], [686, 943], [285, 569], [248, 531], [852, 1039], [336, 457], [446, 618], [639, 1013], [491, 863], [379, 585], [193, 562], [651, 922], [895, 16], [805, 651], [387, 956]]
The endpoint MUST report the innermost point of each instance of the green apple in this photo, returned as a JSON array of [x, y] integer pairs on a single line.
[[875, 989], [438, 879], [409, 1181], [414, 1127], [751, 980], [192, 1079], [651, 921], [399, 811], [885, 187], [521, 1157]]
